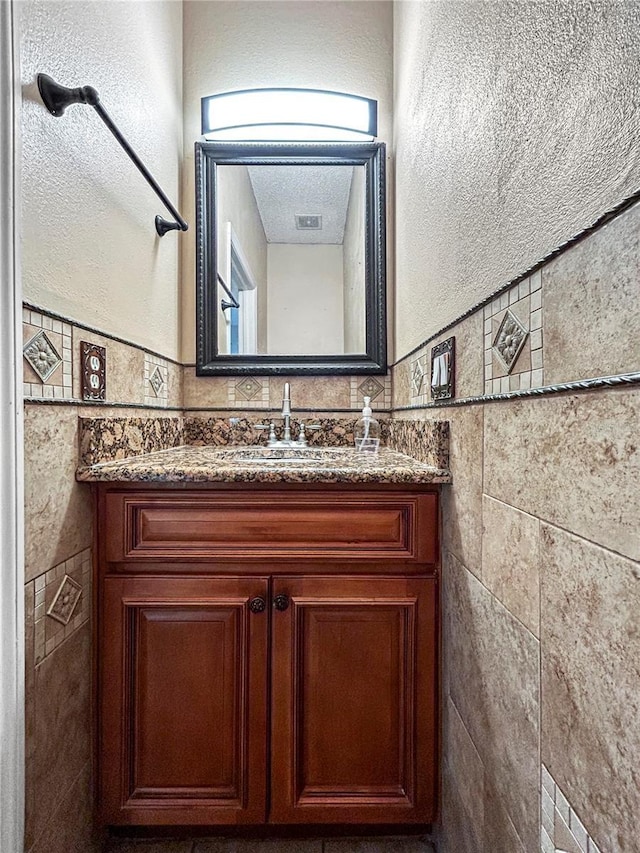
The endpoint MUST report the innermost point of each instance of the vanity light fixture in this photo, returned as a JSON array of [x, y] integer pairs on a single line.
[[287, 114], [57, 98]]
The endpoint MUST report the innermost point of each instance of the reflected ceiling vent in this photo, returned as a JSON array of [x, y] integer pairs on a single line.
[[308, 222]]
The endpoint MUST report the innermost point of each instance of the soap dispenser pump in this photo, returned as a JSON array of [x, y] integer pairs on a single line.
[[367, 430]]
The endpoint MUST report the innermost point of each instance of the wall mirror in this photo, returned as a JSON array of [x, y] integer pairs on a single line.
[[290, 258]]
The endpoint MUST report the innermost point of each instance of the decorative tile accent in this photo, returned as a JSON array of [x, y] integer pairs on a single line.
[[248, 387], [417, 378], [370, 387], [509, 340], [376, 387], [250, 392], [561, 830], [156, 380], [47, 356], [64, 593], [65, 600], [513, 339], [42, 355]]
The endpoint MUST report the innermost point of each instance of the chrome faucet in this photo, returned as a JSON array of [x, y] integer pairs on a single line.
[[286, 413], [286, 440]]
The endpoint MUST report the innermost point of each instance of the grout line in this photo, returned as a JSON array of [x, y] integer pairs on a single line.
[[494, 596], [566, 530]]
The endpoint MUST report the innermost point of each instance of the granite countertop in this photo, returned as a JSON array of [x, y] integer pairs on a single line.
[[207, 464]]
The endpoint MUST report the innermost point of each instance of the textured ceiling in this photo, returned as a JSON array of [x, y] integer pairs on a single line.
[[283, 192]]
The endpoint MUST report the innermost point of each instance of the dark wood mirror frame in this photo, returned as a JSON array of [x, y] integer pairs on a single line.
[[210, 155]]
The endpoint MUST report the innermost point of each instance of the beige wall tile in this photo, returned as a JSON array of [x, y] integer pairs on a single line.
[[494, 683], [204, 390], [125, 368], [499, 832], [465, 767], [592, 304], [457, 833], [322, 392], [462, 501], [62, 731], [401, 383], [29, 717], [511, 558], [70, 827], [571, 460], [175, 374], [58, 511], [590, 683]]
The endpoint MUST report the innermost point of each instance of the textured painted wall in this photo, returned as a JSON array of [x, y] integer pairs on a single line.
[[90, 250], [345, 46], [516, 125]]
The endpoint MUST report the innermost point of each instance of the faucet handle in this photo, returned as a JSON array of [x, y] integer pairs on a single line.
[[302, 438], [272, 430]]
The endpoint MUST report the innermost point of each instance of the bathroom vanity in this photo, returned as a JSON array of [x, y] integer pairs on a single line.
[[266, 640]]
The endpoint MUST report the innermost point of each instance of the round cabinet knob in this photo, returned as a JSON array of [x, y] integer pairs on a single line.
[[257, 605], [281, 602]]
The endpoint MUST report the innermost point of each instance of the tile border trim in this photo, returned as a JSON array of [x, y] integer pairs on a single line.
[[94, 404], [620, 380]]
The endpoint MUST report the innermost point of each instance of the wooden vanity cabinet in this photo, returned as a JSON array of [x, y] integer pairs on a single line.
[[259, 661]]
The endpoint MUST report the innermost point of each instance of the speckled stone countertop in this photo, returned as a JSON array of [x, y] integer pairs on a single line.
[[189, 464]]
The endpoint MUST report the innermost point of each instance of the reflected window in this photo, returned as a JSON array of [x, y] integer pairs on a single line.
[[240, 310]]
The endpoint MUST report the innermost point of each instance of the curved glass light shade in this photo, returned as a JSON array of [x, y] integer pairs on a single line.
[[289, 114]]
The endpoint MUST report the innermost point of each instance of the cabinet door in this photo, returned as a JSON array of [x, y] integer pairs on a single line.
[[354, 700], [183, 700]]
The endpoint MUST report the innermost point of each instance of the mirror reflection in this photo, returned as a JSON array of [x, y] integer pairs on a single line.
[[291, 259]]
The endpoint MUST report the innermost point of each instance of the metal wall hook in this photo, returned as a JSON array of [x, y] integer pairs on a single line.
[[57, 98]]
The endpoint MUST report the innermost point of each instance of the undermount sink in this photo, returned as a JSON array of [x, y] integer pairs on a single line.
[[279, 455]]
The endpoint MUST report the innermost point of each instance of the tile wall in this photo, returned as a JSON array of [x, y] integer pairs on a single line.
[[541, 547], [264, 393], [541, 558], [154, 394]]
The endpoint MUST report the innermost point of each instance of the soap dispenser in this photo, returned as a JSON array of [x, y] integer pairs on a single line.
[[367, 430]]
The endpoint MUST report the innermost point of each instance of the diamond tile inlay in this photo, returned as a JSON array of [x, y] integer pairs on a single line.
[[248, 387], [417, 375], [156, 381], [370, 387], [65, 600], [509, 340], [42, 355]]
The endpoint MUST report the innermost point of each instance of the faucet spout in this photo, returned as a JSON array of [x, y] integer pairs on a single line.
[[286, 411]]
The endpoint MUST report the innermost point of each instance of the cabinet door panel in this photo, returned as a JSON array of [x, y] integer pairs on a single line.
[[354, 701], [184, 686]]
